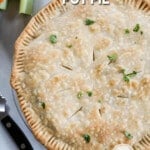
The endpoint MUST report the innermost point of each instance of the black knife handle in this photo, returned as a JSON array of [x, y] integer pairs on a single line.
[[16, 133]]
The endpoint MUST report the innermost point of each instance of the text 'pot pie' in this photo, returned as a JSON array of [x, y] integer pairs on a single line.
[[82, 75]]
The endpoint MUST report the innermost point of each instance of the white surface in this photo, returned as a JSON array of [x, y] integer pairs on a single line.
[[6, 53], [122, 147]]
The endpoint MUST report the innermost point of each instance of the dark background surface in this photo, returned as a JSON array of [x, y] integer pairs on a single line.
[[11, 25]]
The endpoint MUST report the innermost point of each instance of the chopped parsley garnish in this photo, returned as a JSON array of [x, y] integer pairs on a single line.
[[89, 93], [136, 28], [99, 100], [87, 138], [112, 58], [53, 38], [127, 31], [42, 104], [128, 135], [69, 46], [79, 94], [132, 74], [126, 77], [89, 22], [141, 32]]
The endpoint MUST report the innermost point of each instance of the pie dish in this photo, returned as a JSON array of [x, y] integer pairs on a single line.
[[82, 75]]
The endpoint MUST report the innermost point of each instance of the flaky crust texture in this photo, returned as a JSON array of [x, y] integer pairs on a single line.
[[29, 33]]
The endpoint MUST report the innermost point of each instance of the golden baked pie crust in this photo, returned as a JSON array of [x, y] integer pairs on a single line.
[[29, 33]]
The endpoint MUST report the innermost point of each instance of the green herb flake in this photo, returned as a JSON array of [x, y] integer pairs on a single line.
[[127, 31], [89, 93], [53, 38], [89, 22], [126, 77], [122, 71], [42, 104], [136, 28], [133, 74], [112, 58], [100, 101], [69, 46], [79, 95], [128, 135], [141, 32], [87, 138]]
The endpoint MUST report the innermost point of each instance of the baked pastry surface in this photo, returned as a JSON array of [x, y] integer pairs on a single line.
[[82, 75]]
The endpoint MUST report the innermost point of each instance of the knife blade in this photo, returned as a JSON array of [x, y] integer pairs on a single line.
[[13, 129]]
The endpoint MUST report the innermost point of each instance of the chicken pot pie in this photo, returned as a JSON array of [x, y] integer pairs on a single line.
[[82, 75]]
